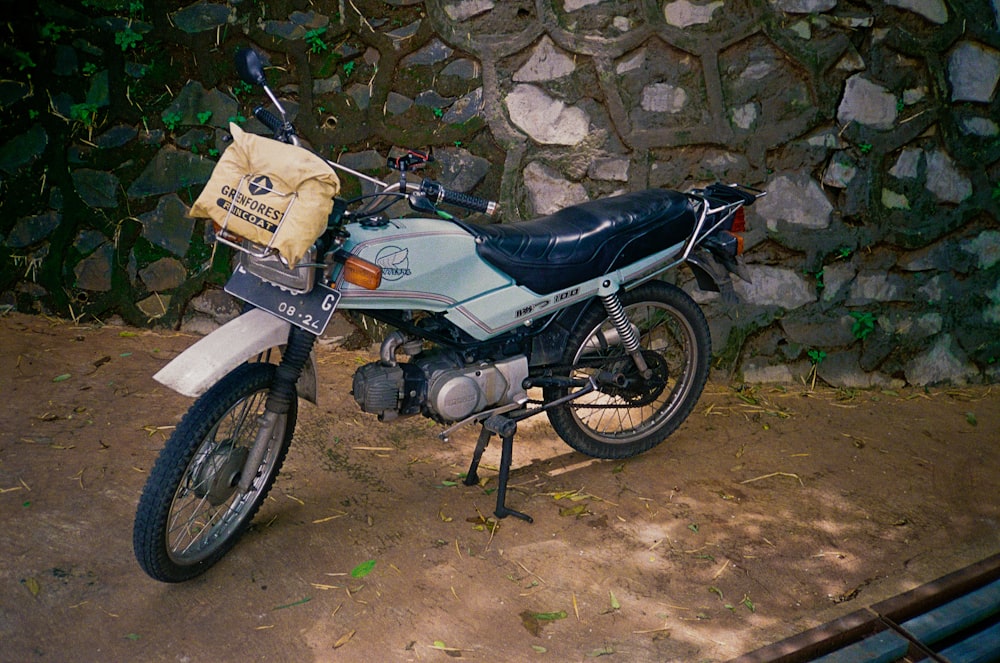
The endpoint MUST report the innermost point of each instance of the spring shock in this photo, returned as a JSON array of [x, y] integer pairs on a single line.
[[616, 313]]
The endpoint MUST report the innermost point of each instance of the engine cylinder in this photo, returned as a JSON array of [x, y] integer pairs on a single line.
[[378, 388]]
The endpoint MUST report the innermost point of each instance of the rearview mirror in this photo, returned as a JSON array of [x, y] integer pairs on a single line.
[[249, 67]]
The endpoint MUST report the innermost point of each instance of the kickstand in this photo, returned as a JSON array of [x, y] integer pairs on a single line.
[[506, 428]]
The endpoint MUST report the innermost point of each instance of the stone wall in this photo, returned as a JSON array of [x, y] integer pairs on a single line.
[[873, 126]]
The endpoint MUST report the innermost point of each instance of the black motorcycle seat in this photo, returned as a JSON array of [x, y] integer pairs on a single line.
[[584, 241]]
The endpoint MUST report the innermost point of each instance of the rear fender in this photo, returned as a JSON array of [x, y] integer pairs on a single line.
[[711, 276], [704, 273], [206, 362]]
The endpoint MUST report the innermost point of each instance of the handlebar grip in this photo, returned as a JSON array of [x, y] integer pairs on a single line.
[[268, 119], [436, 192]]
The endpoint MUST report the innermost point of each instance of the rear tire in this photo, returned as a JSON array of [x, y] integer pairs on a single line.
[[191, 512], [620, 422]]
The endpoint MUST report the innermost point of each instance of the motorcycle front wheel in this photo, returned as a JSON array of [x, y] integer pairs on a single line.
[[626, 419], [192, 512]]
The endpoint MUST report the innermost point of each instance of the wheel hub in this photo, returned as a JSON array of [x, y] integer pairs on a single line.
[[638, 391], [218, 474]]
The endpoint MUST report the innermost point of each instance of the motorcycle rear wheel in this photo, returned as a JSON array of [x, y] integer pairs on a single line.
[[191, 512], [620, 422]]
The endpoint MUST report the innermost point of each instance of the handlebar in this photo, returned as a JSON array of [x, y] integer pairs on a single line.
[[268, 119], [437, 193], [283, 131]]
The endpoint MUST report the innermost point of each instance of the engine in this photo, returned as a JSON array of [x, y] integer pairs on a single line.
[[438, 384]]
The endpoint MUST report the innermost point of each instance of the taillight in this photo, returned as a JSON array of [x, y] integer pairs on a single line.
[[363, 273], [739, 221]]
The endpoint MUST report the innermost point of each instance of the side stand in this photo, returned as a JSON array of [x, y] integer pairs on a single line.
[[506, 428]]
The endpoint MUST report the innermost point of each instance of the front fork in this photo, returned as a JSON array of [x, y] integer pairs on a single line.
[[279, 400]]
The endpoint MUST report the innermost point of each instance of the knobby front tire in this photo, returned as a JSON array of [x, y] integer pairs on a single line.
[[620, 422], [191, 512]]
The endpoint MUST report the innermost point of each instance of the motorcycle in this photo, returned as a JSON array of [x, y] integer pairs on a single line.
[[493, 323]]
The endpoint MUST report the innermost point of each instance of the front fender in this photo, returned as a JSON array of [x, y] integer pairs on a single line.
[[196, 369]]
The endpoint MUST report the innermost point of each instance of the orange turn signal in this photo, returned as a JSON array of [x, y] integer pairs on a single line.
[[739, 221], [363, 273]]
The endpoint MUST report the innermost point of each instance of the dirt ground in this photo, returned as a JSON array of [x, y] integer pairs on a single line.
[[770, 511]]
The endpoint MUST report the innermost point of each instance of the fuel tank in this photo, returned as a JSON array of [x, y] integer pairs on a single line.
[[427, 264]]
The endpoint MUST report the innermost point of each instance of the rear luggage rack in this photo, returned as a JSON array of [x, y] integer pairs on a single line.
[[718, 201]]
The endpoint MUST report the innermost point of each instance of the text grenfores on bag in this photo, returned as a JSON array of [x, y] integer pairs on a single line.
[[271, 193]]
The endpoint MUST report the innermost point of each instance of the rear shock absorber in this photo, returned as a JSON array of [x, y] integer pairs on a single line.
[[616, 313]]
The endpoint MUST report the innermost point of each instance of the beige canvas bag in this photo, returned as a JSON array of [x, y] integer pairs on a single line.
[[272, 193]]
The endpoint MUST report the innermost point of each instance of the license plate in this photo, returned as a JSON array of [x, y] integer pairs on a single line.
[[311, 311]]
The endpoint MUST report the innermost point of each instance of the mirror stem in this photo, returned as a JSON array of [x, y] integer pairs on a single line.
[[277, 104]]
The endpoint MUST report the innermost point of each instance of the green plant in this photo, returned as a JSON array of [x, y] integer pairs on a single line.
[[844, 252], [83, 113], [348, 68], [239, 118], [127, 38], [438, 113], [864, 324], [816, 358], [995, 194], [204, 116], [52, 32], [89, 69], [865, 148], [314, 38], [23, 60], [241, 88], [171, 119]]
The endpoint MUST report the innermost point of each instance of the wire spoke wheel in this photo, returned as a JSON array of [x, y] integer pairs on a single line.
[[637, 412], [192, 511]]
